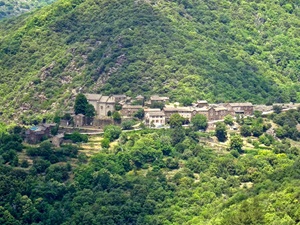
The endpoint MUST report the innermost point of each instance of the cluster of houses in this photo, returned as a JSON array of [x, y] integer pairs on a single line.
[[105, 105], [153, 117]]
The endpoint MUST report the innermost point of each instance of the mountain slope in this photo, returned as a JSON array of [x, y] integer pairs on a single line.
[[218, 50], [10, 8]]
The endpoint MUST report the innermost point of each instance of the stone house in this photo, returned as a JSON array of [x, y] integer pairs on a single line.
[[156, 98], [245, 108], [57, 140], [209, 112], [201, 103], [130, 110], [155, 118], [119, 98], [185, 112], [169, 111], [79, 120], [103, 104], [220, 112], [36, 134]]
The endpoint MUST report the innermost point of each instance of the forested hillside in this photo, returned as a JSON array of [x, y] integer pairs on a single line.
[[10, 8], [218, 50], [152, 177]]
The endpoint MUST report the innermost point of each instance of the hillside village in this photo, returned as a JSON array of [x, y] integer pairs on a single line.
[[158, 109], [156, 113]]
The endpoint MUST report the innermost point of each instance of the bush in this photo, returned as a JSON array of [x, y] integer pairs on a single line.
[[105, 143], [76, 137]]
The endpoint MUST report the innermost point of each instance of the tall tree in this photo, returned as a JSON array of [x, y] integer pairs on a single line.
[[221, 131], [90, 111], [199, 122], [80, 104]]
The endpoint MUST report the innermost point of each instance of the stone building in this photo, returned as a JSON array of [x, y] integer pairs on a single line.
[[185, 112], [103, 104], [36, 134], [245, 108], [201, 103], [119, 98], [156, 98], [79, 120], [130, 110], [155, 118]]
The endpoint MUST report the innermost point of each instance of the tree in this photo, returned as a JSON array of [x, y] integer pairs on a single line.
[[245, 130], [116, 117], [139, 114], [236, 143], [155, 105], [127, 125], [199, 121], [257, 130], [112, 132], [118, 107], [221, 131], [105, 143], [257, 113], [277, 109], [187, 101], [228, 120], [176, 120], [80, 104], [90, 111]]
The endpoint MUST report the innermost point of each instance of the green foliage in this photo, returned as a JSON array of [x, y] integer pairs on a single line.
[[277, 109], [118, 107], [116, 117], [105, 143], [76, 137], [157, 105], [228, 120], [112, 132], [127, 125], [266, 139], [245, 130], [90, 111], [139, 114], [199, 121], [257, 113], [10, 8], [176, 120], [80, 105], [186, 101], [46, 55], [221, 131], [236, 143]]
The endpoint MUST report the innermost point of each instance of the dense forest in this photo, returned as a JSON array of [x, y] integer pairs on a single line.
[[9, 8], [156, 177], [219, 50]]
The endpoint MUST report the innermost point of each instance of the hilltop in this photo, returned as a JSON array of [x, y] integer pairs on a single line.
[[215, 50], [9, 8]]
